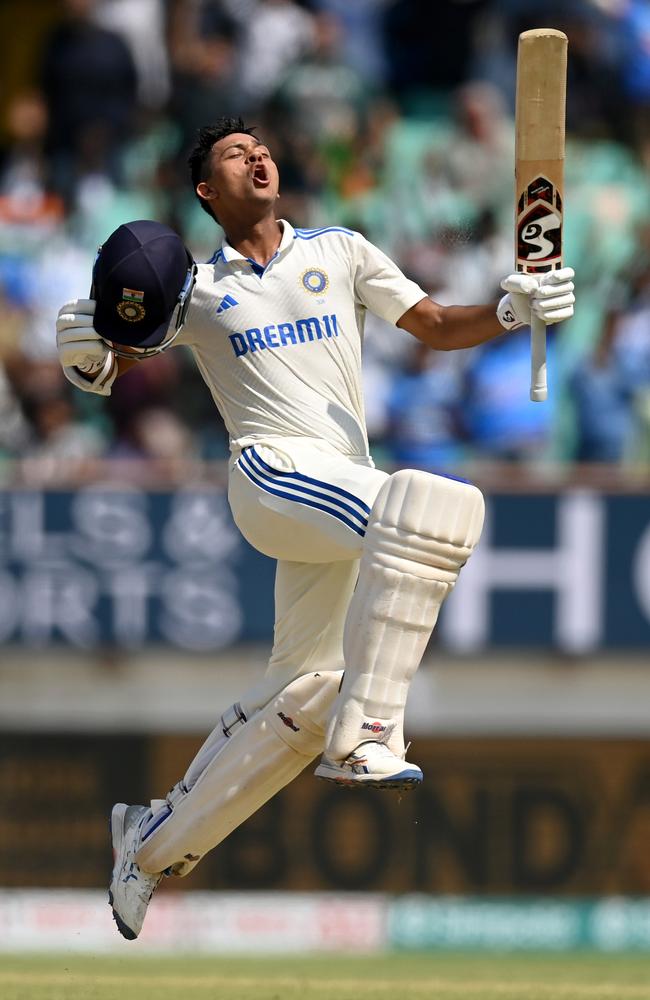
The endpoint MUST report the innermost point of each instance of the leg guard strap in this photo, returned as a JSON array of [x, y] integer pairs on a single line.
[[260, 757]]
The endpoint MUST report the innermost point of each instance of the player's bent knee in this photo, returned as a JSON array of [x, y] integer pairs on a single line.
[[425, 524], [300, 713]]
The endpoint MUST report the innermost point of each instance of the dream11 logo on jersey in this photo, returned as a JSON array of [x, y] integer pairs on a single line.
[[539, 227]]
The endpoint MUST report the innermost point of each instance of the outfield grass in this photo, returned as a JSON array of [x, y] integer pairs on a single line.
[[404, 977]]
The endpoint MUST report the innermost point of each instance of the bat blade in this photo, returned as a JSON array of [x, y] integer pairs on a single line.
[[539, 169]]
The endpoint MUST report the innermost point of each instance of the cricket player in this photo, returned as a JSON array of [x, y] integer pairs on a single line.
[[364, 559]]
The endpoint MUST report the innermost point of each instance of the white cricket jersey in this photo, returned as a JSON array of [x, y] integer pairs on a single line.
[[280, 346]]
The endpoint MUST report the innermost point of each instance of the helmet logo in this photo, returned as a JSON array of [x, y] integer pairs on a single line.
[[132, 312]]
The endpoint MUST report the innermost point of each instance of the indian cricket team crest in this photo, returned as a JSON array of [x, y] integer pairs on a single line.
[[314, 280], [539, 227], [131, 308]]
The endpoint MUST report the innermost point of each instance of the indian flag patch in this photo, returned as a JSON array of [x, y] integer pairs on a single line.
[[132, 295]]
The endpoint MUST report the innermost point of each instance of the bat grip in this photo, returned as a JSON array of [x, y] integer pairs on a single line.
[[538, 387]]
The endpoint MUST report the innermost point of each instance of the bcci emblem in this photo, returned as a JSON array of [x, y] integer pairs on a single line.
[[132, 312], [131, 308], [315, 281]]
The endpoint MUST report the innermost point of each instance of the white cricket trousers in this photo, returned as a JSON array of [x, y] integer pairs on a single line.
[[304, 504]]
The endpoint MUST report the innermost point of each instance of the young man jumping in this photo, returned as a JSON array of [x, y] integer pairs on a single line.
[[364, 559]]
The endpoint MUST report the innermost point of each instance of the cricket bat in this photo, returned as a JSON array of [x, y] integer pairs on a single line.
[[539, 170]]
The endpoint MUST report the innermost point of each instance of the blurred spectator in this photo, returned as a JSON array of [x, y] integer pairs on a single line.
[[57, 272], [393, 117], [30, 213], [423, 412], [273, 34], [155, 444], [446, 175], [142, 25], [429, 47], [25, 194], [500, 420], [50, 435], [150, 439], [635, 26], [61, 445], [477, 162], [203, 55], [611, 388], [14, 430], [321, 95], [89, 82], [362, 43]]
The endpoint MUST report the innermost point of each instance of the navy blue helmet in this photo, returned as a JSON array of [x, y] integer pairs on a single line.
[[142, 280]]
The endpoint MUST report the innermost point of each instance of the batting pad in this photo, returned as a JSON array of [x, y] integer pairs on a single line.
[[247, 768], [421, 531]]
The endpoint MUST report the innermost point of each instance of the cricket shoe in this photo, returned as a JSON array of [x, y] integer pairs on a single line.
[[131, 889], [370, 765]]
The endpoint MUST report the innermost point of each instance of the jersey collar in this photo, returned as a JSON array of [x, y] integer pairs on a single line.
[[229, 254]]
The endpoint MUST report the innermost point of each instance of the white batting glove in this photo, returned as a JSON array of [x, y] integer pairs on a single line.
[[78, 343], [548, 295], [99, 383], [82, 350]]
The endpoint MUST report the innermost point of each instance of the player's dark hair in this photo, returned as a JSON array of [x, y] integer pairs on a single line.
[[200, 155]]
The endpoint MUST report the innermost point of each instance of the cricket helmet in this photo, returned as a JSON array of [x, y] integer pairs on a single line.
[[142, 281]]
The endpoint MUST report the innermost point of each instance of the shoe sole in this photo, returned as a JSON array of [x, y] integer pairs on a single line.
[[396, 782], [118, 813]]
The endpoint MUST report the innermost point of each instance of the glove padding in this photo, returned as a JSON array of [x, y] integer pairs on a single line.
[[81, 349], [548, 295], [100, 383], [78, 343]]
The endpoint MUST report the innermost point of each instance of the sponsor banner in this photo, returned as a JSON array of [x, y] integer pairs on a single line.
[[425, 923], [217, 923], [494, 817], [122, 567], [292, 923]]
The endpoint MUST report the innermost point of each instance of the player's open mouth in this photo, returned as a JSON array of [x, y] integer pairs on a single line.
[[260, 176]]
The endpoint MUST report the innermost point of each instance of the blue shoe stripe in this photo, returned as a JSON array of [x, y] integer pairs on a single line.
[[250, 471], [309, 479], [321, 492]]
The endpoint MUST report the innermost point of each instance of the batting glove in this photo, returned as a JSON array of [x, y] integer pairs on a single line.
[[548, 295], [82, 352]]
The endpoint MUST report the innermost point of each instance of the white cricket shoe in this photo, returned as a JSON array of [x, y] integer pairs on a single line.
[[131, 889], [370, 765]]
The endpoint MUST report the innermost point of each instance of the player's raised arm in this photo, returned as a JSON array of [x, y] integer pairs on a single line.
[[449, 328], [142, 282]]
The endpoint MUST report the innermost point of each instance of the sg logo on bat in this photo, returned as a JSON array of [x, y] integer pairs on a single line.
[[539, 227]]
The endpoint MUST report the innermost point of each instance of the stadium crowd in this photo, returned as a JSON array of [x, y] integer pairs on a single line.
[[394, 117]]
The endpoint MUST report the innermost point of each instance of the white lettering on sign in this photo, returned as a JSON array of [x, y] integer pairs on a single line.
[[59, 600], [641, 572], [118, 573], [112, 526], [200, 613], [573, 570], [199, 529]]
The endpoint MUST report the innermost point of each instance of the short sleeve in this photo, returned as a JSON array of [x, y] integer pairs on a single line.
[[380, 285]]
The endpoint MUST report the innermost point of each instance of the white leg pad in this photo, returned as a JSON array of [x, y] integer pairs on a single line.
[[245, 769], [422, 530]]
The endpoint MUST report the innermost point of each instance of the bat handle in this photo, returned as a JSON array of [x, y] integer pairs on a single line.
[[538, 387]]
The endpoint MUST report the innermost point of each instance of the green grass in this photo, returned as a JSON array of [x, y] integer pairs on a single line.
[[403, 976]]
